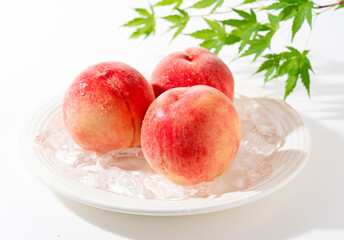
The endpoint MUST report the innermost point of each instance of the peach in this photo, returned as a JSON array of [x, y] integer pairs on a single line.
[[191, 135], [104, 107], [194, 66]]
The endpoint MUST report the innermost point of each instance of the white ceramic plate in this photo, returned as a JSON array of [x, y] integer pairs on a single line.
[[296, 152]]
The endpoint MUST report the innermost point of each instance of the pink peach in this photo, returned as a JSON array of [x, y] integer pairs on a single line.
[[191, 135], [194, 66], [104, 107]]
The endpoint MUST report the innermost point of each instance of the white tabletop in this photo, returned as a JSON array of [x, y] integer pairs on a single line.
[[45, 44]]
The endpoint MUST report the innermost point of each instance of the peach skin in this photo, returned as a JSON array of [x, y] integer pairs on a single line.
[[191, 135], [104, 107], [194, 66]]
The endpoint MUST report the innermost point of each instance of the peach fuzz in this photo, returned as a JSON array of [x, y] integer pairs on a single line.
[[191, 135], [104, 107], [194, 66]]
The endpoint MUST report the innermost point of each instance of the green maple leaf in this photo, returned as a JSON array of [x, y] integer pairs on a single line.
[[270, 66], [208, 3], [309, 14], [288, 12], [145, 24], [305, 68], [258, 46], [248, 31], [277, 6], [135, 22], [290, 84], [303, 11], [248, 1], [179, 22], [215, 37], [293, 64], [300, 10], [170, 2], [245, 28]]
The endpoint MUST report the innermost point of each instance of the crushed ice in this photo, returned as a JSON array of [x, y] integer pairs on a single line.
[[126, 172]]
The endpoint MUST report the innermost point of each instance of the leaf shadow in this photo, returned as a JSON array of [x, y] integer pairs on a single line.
[[326, 103], [327, 66]]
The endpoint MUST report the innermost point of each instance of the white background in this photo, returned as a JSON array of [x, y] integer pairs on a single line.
[[45, 44]]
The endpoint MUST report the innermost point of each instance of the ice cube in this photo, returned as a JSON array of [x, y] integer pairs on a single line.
[[126, 172]]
